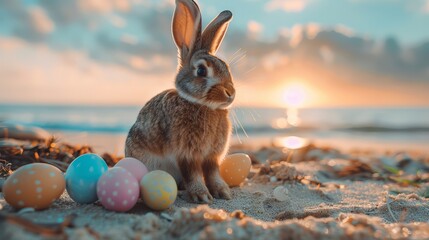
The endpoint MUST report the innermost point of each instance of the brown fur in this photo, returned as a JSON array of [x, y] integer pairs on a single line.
[[185, 131]]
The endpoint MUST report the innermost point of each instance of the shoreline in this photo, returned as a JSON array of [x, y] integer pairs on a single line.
[[115, 143]]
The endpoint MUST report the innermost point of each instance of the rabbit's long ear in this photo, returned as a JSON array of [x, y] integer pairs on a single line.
[[186, 27], [213, 34]]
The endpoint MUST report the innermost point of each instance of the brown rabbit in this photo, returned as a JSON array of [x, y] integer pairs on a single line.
[[185, 131]]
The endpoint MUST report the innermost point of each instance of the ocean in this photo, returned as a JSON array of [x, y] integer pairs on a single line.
[[407, 128]]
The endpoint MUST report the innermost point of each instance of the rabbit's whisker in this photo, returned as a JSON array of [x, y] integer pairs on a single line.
[[249, 71], [239, 123], [235, 126], [239, 59], [234, 55], [253, 113]]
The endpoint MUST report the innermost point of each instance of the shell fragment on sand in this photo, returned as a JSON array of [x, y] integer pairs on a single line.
[[280, 193]]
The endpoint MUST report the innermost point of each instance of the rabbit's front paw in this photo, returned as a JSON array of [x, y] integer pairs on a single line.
[[219, 188], [198, 192]]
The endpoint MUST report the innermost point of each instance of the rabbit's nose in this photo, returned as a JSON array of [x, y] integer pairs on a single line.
[[230, 93]]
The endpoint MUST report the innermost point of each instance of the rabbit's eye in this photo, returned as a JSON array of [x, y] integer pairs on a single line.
[[201, 71]]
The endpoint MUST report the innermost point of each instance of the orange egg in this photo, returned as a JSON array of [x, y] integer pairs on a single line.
[[35, 185], [235, 168]]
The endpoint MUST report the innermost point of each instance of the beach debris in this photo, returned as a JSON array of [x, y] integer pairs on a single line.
[[35, 185], [20, 153], [118, 190], [279, 171], [11, 146], [405, 181], [269, 154], [309, 152], [346, 168], [150, 223], [235, 168], [402, 162], [24, 133], [315, 154], [280, 193], [321, 153], [5, 169], [238, 214], [111, 159], [389, 209], [356, 168], [41, 229], [424, 192], [166, 216], [82, 176], [285, 171], [316, 213]]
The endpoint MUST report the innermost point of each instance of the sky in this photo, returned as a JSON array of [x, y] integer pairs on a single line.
[[282, 53]]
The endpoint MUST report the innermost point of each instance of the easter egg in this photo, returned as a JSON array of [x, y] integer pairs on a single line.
[[235, 168], [35, 185], [158, 190], [82, 176], [134, 166], [118, 190]]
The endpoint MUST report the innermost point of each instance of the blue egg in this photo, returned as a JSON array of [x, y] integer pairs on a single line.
[[82, 176]]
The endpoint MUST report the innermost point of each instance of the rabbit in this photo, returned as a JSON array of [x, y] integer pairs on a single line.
[[186, 131]]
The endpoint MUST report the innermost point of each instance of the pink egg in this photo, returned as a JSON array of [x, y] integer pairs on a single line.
[[134, 166], [118, 190]]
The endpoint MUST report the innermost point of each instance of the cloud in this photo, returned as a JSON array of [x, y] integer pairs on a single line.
[[344, 30], [118, 21], [31, 23], [104, 6], [336, 48], [81, 25], [286, 5], [48, 76], [254, 28], [40, 21], [106, 42], [426, 6], [327, 54], [129, 39], [298, 32]]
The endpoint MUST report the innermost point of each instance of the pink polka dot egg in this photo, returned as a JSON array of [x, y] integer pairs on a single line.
[[118, 190], [134, 166]]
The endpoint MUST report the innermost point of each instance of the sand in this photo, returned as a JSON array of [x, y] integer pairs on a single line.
[[331, 195]]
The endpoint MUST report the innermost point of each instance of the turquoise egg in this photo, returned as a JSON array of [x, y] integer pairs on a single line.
[[82, 176]]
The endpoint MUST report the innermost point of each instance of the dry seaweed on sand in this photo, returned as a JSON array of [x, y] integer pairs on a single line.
[[14, 154], [45, 230]]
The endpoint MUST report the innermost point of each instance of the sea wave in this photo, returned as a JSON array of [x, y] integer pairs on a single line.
[[67, 127], [240, 129], [119, 119]]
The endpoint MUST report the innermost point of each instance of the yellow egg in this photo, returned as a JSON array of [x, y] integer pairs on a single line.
[[35, 185], [235, 168], [158, 190]]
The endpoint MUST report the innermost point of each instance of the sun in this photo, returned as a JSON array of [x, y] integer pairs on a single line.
[[294, 95]]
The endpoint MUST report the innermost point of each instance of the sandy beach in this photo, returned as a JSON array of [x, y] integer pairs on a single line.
[[329, 194]]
